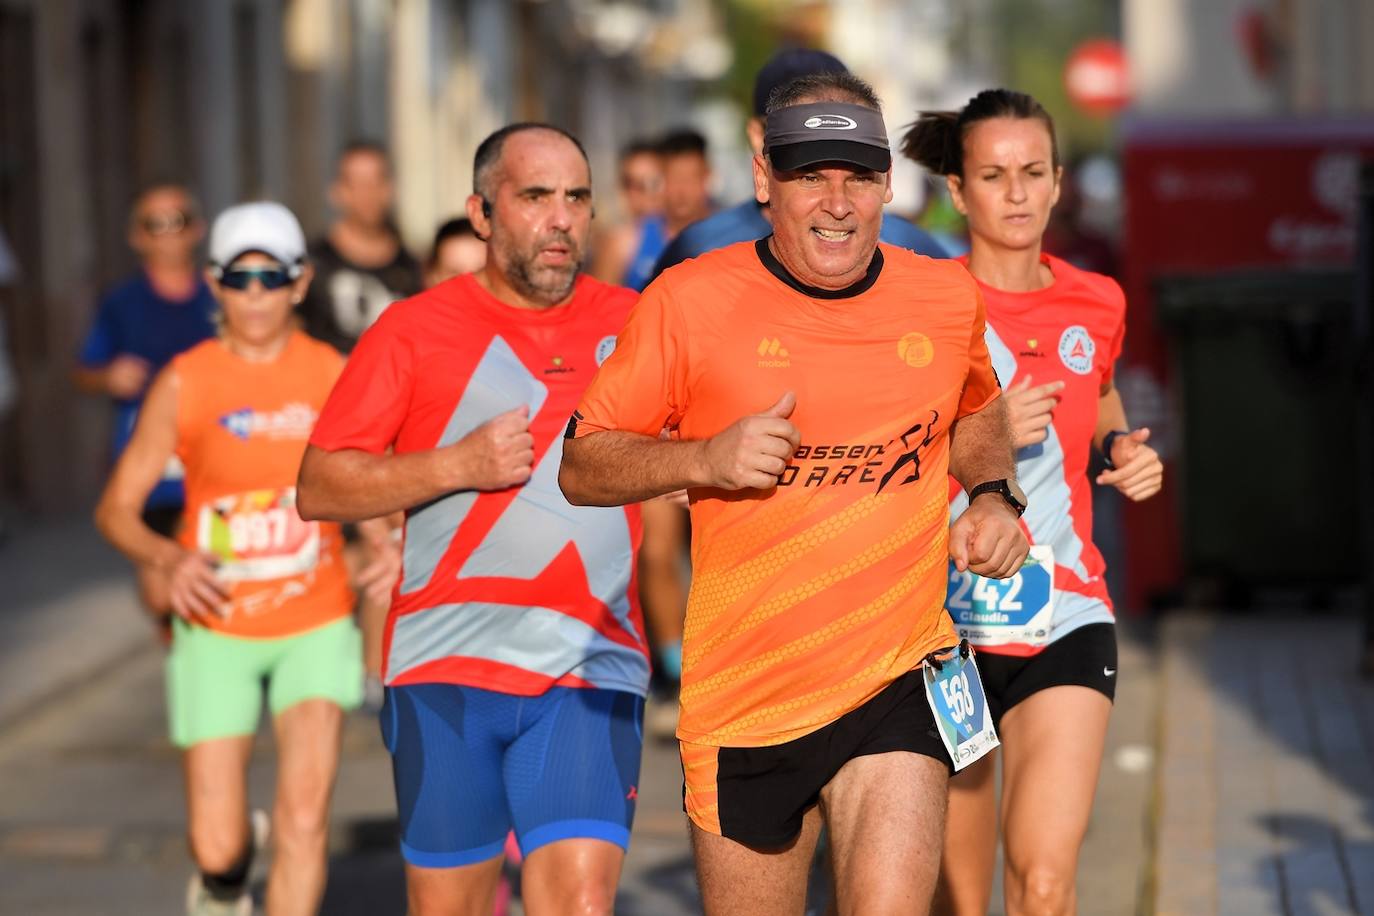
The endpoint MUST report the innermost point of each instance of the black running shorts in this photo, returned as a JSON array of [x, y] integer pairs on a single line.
[[762, 792], [1085, 657]]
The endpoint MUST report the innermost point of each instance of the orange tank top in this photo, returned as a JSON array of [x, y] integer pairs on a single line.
[[242, 428]]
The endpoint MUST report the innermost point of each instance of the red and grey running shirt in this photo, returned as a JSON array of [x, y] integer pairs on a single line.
[[515, 591], [1071, 331]]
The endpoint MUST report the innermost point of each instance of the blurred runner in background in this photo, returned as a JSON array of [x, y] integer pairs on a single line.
[[516, 664], [686, 179], [262, 598], [1045, 636], [9, 379], [361, 267], [164, 308], [360, 263], [457, 250], [625, 253]]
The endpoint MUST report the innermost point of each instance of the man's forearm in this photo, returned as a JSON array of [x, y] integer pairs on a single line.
[[351, 485], [614, 468], [981, 447]]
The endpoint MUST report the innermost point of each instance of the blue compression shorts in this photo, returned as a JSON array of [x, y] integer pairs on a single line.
[[471, 764]]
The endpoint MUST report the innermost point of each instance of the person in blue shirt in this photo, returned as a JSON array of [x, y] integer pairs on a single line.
[[749, 220], [624, 253], [164, 308]]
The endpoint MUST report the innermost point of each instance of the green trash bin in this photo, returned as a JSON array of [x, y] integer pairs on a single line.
[[1264, 366]]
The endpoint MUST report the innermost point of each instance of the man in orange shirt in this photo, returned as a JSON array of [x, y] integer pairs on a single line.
[[818, 387]]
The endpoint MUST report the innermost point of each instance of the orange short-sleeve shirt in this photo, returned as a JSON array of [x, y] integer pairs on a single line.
[[808, 599], [242, 428]]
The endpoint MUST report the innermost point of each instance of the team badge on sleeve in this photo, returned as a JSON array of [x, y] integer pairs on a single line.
[[604, 348]]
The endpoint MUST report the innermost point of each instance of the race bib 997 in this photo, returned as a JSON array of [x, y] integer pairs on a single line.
[[258, 535]]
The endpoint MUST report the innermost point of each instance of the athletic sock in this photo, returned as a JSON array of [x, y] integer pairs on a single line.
[[670, 657], [229, 885]]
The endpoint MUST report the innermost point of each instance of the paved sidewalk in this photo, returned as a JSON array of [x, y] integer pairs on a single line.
[[1266, 784], [69, 609], [1238, 779], [90, 791]]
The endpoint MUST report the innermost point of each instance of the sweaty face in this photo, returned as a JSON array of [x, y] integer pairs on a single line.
[[686, 187], [256, 315], [826, 219], [641, 181], [165, 226], [1010, 184], [363, 191], [541, 215]]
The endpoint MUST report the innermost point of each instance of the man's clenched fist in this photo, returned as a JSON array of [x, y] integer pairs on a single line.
[[496, 455], [987, 539], [753, 452]]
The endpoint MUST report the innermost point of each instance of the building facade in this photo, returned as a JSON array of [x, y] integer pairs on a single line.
[[243, 99]]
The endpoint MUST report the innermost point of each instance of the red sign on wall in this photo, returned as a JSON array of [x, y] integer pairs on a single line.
[[1096, 77]]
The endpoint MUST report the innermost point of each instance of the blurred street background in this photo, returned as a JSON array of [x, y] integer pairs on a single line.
[[1220, 160]]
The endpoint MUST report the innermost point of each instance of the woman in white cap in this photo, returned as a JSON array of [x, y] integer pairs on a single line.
[[262, 598]]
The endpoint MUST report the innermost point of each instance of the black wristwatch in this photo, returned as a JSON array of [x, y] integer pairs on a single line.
[[1107, 442], [1009, 490]]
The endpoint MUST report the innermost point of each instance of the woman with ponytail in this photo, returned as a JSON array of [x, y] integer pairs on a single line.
[[1045, 638]]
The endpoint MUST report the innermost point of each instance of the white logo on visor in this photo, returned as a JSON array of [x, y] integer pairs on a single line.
[[830, 122]]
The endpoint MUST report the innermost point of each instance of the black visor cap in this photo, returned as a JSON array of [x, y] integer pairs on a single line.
[[800, 155]]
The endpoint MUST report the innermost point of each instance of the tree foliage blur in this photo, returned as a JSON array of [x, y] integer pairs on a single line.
[[1034, 39]]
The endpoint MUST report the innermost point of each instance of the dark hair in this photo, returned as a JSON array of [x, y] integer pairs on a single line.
[[681, 142], [460, 227], [163, 184], [638, 147], [488, 154], [936, 139], [787, 65], [362, 146], [836, 86]]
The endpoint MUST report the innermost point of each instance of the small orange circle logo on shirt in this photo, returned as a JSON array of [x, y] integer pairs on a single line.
[[916, 350]]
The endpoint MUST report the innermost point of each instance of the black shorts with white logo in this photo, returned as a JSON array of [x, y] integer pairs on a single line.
[[763, 792], [1085, 657]]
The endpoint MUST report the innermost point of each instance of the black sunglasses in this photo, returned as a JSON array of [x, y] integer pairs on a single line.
[[269, 277]]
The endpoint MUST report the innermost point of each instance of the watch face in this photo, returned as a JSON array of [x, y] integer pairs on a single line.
[[1017, 493]]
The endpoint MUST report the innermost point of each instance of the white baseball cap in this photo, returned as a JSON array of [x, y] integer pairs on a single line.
[[264, 226]]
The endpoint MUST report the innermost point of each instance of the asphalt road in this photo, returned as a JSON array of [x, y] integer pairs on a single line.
[[90, 790]]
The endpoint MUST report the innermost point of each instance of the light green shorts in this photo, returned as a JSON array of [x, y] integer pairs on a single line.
[[215, 682]]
